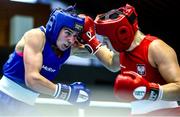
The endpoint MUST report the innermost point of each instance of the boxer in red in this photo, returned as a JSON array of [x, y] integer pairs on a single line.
[[150, 76]]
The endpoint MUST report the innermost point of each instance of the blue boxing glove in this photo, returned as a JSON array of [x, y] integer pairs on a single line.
[[75, 93]]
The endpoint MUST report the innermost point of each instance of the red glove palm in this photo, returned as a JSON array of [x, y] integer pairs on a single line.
[[131, 86], [88, 36]]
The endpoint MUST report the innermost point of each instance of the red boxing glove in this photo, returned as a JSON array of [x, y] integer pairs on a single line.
[[88, 36], [131, 86]]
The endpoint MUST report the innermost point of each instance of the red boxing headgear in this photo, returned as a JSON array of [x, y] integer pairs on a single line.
[[119, 25]]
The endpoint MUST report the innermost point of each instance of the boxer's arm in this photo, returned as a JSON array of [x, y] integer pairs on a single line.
[[165, 59], [79, 50], [108, 58], [32, 55]]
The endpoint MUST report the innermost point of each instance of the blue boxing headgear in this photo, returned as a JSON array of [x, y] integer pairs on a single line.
[[60, 18]]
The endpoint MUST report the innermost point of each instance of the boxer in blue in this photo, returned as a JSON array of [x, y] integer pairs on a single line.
[[35, 62]]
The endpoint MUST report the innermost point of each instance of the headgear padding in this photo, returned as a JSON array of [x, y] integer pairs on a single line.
[[119, 25], [60, 18]]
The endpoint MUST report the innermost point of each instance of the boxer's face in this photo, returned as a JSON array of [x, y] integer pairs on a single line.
[[66, 38]]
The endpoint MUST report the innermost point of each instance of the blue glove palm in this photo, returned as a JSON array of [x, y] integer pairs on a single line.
[[79, 94]]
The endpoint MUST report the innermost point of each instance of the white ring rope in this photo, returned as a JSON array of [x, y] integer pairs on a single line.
[[81, 112], [92, 103]]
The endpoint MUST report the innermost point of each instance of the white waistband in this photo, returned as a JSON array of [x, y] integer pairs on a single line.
[[145, 106], [18, 92]]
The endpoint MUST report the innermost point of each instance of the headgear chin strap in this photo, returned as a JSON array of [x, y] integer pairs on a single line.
[[60, 18], [119, 25]]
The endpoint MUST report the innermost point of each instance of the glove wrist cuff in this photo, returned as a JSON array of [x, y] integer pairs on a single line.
[[62, 91], [56, 91], [93, 45], [160, 93], [156, 92]]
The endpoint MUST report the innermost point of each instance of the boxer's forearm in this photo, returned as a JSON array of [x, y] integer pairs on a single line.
[[108, 58], [171, 91], [40, 84]]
